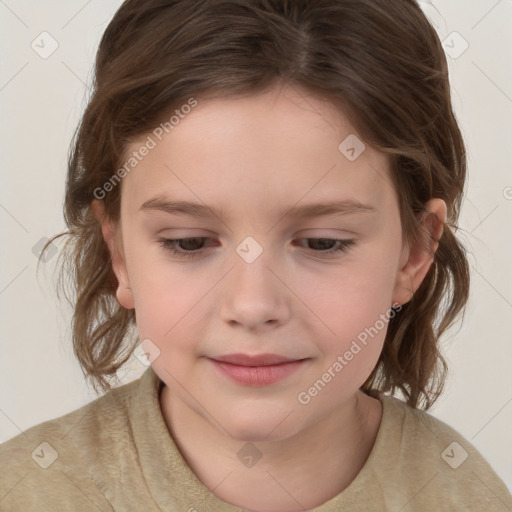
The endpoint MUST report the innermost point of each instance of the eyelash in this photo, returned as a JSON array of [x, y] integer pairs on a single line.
[[169, 245]]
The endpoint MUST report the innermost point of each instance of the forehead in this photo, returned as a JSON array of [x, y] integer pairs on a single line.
[[274, 148]]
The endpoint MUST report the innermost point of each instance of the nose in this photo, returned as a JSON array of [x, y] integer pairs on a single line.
[[254, 295]]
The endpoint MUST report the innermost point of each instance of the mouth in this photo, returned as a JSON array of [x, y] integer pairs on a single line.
[[255, 360], [256, 370]]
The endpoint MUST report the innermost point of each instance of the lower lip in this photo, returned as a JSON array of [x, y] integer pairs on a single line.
[[257, 375]]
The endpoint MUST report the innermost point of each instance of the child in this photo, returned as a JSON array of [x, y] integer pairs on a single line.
[[268, 190]]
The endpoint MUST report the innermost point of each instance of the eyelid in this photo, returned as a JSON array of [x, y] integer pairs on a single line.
[[341, 246]]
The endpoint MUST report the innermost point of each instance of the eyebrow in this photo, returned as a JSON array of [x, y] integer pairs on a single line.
[[344, 207]]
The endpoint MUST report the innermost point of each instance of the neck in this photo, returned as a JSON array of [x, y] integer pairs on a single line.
[[296, 473]]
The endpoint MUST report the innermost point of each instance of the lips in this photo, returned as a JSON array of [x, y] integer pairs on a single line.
[[254, 360], [256, 370]]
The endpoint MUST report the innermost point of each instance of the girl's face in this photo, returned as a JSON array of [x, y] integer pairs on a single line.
[[261, 279]]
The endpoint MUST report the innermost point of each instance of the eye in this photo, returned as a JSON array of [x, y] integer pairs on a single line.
[[189, 246], [189, 243], [339, 246]]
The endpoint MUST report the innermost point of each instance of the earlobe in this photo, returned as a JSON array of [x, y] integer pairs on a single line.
[[112, 238], [416, 261]]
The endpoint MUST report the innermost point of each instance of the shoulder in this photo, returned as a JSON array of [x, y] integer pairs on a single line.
[[437, 464], [47, 466]]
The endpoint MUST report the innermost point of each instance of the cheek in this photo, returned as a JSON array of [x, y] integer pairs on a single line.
[[352, 308], [350, 297], [166, 300]]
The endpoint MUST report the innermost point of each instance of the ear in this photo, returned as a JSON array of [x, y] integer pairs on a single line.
[[112, 236], [415, 261]]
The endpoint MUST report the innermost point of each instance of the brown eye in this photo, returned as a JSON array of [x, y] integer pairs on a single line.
[[190, 247], [329, 245]]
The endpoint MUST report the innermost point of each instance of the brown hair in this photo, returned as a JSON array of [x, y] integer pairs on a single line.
[[380, 60]]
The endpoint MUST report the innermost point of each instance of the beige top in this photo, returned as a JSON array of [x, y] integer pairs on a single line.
[[116, 453]]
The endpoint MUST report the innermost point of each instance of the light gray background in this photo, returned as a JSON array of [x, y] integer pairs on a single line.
[[41, 101]]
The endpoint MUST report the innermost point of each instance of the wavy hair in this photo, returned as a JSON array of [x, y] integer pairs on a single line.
[[380, 60]]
